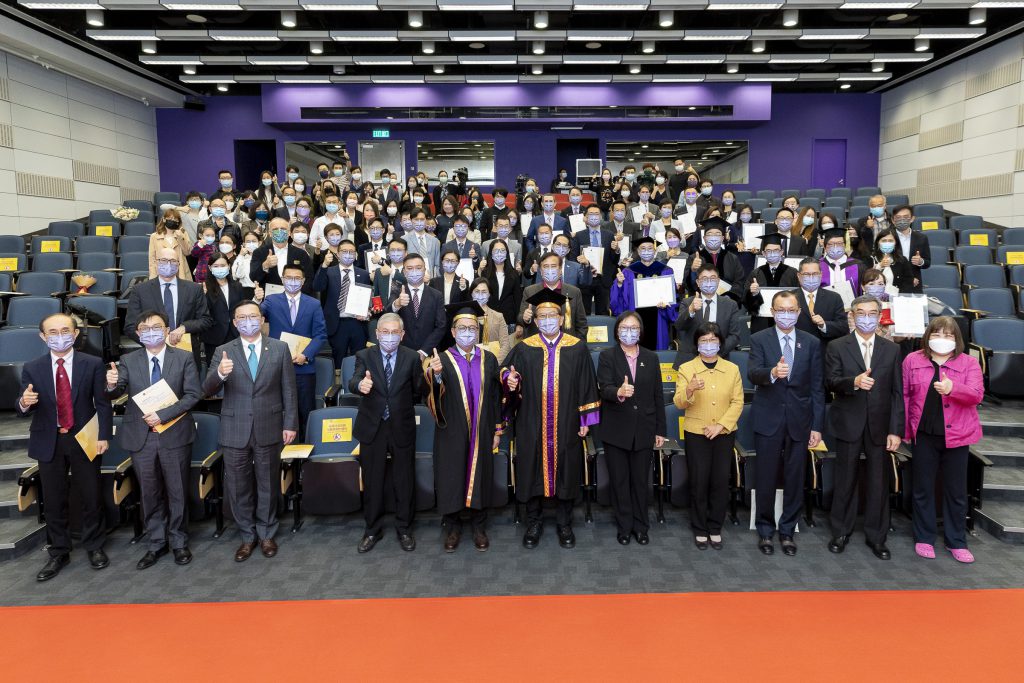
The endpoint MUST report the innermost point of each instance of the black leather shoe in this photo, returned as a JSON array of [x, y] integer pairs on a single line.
[[407, 541], [53, 567], [532, 536], [182, 556], [367, 543], [880, 551], [838, 544], [642, 538], [451, 540], [715, 545], [701, 545], [623, 539], [765, 545], [788, 546], [566, 538], [98, 559], [150, 558]]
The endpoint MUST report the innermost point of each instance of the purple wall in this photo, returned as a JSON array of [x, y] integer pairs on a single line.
[[194, 145]]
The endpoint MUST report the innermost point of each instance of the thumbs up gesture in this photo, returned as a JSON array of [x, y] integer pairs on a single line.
[[226, 365], [916, 259], [366, 384], [528, 314], [328, 258], [626, 389], [112, 375], [435, 363], [695, 384], [513, 379], [697, 263], [30, 397], [945, 386], [697, 304], [863, 381], [403, 298], [781, 369]]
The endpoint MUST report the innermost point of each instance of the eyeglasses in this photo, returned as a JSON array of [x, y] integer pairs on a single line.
[[628, 328], [66, 330], [465, 328], [243, 318], [155, 328], [166, 262]]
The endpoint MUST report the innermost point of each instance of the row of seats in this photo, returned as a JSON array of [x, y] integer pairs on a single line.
[[87, 262], [13, 244], [140, 227]]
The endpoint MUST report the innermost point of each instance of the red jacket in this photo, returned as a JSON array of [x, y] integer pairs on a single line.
[[959, 408]]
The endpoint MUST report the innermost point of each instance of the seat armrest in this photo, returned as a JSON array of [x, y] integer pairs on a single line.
[[210, 460]]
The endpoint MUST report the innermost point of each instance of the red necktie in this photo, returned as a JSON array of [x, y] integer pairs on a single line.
[[65, 411]]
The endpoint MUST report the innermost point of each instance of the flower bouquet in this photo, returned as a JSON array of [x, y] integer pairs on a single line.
[[124, 213]]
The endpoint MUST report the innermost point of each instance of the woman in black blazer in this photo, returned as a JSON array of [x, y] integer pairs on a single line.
[[632, 423], [217, 282], [506, 298]]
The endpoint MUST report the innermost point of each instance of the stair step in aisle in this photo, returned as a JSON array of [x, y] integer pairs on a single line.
[[1002, 509]]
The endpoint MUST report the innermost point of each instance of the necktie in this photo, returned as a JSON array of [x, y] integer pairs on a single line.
[[787, 352], [595, 239], [254, 362], [415, 303], [810, 303], [292, 307], [155, 377], [387, 380], [785, 249], [867, 355], [707, 309], [65, 411], [343, 292], [169, 305]]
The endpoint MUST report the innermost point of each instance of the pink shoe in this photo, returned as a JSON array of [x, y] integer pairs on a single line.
[[961, 555], [925, 550]]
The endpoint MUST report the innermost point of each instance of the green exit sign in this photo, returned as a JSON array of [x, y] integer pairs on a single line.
[[381, 133]]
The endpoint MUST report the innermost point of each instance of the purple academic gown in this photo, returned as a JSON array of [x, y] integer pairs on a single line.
[[851, 273], [622, 299]]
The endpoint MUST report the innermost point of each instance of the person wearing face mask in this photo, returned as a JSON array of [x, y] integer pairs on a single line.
[[561, 182], [806, 223], [58, 413], [374, 253], [193, 213], [464, 395], [548, 216], [332, 215], [878, 219], [503, 285], [504, 230], [242, 265], [494, 331], [268, 191], [549, 274], [225, 185], [773, 273], [423, 243], [161, 460], [258, 418], [887, 256], [597, 291], [289, 198], [793, 245], [388, 191], [299, 314], [550, 467], [461, 244], [453, 287], [788, 415], [677, 181], [913, 243], [489, 215], [707, 306], [531, 262], [621, 223], [643, 205], [206, 245], [223, 292], [712, 250], [672, 248], [632, 424], [604, 189], [729, 204], [529, 207], [421, 308], [710, 390], [839, 272], [219, 221], [415, 199], [657, 322], [268, 262], [449, 207], [942, 387], [300, 238], [170, 234], [874, 284], [291, 176], [258, 216], [688, 210], [707, 197], [630, 181], [659, 191], [863, 371], [822, 313], [443, 189], [573, 272], [576, 207], [338, 273]]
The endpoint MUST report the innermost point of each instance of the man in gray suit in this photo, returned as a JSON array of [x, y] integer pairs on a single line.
[[258, 417], [575, 315], [707, 306], [160, 441]]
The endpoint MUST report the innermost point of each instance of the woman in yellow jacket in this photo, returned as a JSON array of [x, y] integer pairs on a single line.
[[710, 390]]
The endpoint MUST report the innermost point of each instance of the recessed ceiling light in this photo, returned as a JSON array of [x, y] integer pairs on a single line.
[[844, 86], [196, 18], [898, 16], [534, 108], [477, 46], [634, 69], [691, 108], [222, 87], [644, 146], [190, 70], [592, 46]]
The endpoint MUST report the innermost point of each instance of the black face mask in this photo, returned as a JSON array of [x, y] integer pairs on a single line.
[[171, 224]]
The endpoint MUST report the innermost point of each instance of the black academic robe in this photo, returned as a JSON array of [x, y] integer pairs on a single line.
[[784, 276], [464, 474], [572, 390]]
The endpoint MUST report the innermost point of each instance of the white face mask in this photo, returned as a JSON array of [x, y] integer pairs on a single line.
[[941, 345]]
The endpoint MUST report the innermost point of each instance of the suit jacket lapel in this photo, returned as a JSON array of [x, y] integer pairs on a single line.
[[854, 351], [77, 373], [264, 352]]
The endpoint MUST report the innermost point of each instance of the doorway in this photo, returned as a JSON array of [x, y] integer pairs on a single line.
[[377, 154], [829, 164], [252, 157]]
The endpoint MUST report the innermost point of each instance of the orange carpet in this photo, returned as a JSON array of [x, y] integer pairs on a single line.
[[933, 635]]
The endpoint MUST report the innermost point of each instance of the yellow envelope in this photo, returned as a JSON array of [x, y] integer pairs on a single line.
[[929, 225], [185, 343], [105, 230], [336, 431], [820, 448], [296, 451], [8, 264], [49, 246], [88, 435], [1013, 258], [597, 335], [296, 343], [980, 240]]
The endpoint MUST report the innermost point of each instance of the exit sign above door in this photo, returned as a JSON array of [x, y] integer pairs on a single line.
[[381, 133]]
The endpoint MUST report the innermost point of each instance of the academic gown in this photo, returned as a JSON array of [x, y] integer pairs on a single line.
[[657, 321], [784, 276], [466, 405], [556, 396], [852, 268]]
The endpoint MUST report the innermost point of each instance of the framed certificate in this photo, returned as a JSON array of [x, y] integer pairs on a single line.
[[650, 291]]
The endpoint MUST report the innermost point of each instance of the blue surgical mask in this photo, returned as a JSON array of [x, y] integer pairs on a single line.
[[248, 327], [466, 338], [877, 211], [481, 298], [549, 206], [784, 224], [629, 337], [220, 272], [786, 319], [713, 242], [666, 212], [414, 277], [389, 342], [332, 207], [396, 256], [498, 256], [544, 238], [877, 291], [292, 285], [593, 221], [262, 215], [194, 204], [708, 349], [334, 240], [225, 183], [620, 216], [60, 342], [248, 203], [809, 220], [631, 177], [708, 287], [289, 199], [836, 253], [209, 239], [151, 338], [745, 217], [461, 230], [167, 269], [549, 274], [449, 266], [279, 235], [292, 176], [706, 191], [347, 258], [267, 182], [866, 323], [549, 326], [886, 247], [773, 257], [810, 282], [528, 206], [499, 202]]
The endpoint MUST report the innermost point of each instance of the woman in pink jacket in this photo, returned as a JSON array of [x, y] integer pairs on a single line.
[[942, 387]]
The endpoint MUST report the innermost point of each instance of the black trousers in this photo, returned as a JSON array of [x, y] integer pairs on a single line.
[[709, 464], [876, 489], [68, 456], [347, 339], [373, 458], [779, 454], [305, 391], [930, 454], [628, 477], [163, 475], [535, 511], [453, 520], [595, 298]]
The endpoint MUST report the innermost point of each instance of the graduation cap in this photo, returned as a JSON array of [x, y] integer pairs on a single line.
[[640, 241], [547, 297], [771, 238], [834, 233], [713, 223], [463, 309]]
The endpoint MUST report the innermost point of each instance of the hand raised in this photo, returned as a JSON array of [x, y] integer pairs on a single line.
[[625, 389], [366, 384], [781, 369], [112, 375], [226, 365], [513, 379], [435, 363], [863, 381], [29, 397]]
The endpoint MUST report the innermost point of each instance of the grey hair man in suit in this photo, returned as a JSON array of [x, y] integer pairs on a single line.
[[258, 417], [160, 441]]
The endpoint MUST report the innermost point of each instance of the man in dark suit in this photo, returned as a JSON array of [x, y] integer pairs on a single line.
[[548, 216], [299, 314], [387, 191], [707, 306], [460, 244], [377, 242], [491, 214], [257, 418], [773, 273], [788, 415], [914, 243], [269, 260], [864, 371], [160, 441], [183, 302], [346, 332], [287, 211], [573, 273], [421, 309], [389, 278], [595, 293], [389, 377], [575, 316], [619, 221], [793, 244], [821, 310], [575, 207], [63, 391]]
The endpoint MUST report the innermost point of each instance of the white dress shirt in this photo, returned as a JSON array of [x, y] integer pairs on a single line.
[[282, 258], [174, 294]]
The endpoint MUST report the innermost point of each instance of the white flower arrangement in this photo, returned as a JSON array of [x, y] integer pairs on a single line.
[[124, 213]]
